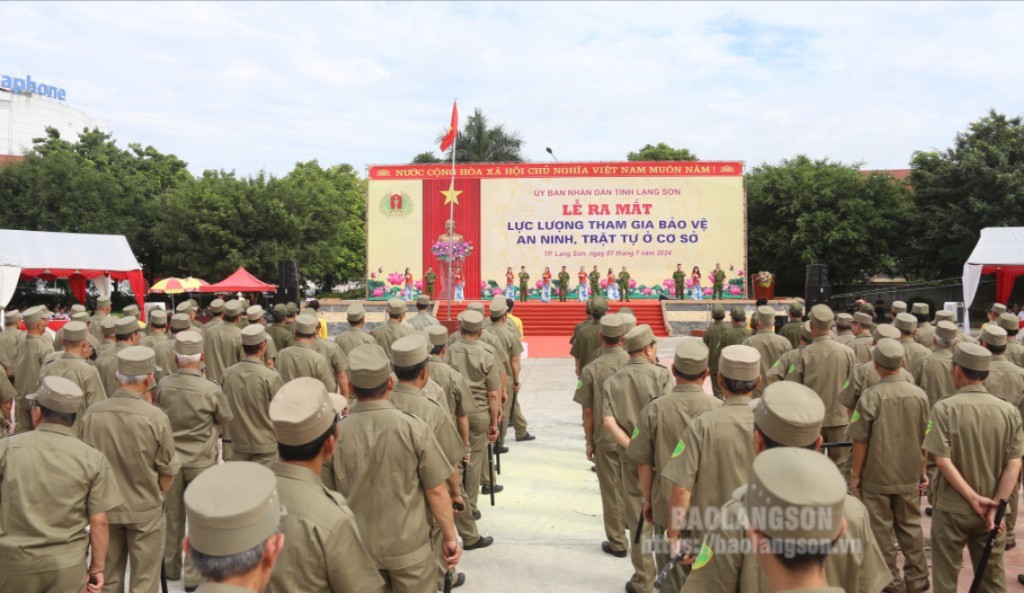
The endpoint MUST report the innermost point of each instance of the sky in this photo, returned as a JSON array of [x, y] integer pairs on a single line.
[[261, 86]]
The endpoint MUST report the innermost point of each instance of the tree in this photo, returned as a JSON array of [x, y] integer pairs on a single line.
[[977, 183], [803, 211], [426, 157], [661, 152], [479, 143]]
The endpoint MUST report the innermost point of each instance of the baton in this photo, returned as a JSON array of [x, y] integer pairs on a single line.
[[836, 445], [979, 570], [163, 578], [448, 581], [639, 528], [490, 469], [497, 454], [668, 568], [465, 476]]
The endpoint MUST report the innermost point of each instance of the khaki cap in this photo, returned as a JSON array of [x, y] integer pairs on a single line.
[[396, 306], [438, 335], [34, 315], [805, 331], [423, 299], [233, 308], [82, 316], [718, 311], [945, 330], [613, 326], [126, 326], [355, 312], [254, 334], [796, 309], [738, 313], [131, 311], [625, 310], [739, 363], [291, 309], [410, 350], [217, 306], [306, 323], [107, 325], [945, 315], [906, 322], [280, 309], [599, 305], [789, 414], [471, 321], [75, 331], [888, 353], [998, 308], [102, 301], [181, 321], [787, 481], [898, 307], [498, 306], [184, 307], [886, 330], [57, 394], [135, 361], [993, 335], [188, 343], [920, 309], [12, 317], [972, 356], [844, 320], [691, 357], [863, 318], [822, 317], [77, 308], [639, 338], [368, 366], [301, 412], [765, 315], [231, 508], [245, 303], [254, 313], [158, 317], [867, 308], [1009, 322], [475, 306], [628, 319]]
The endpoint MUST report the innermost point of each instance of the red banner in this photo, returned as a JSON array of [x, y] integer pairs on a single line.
[[467, 224], [543, 170]]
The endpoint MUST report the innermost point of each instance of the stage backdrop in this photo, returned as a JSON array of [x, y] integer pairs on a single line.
[[648, 216]]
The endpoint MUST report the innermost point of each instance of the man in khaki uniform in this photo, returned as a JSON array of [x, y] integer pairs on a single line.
[[393, 328], [887, 429], [423, 318], [59, 336], [52, 486], [1014, 349], [626, 392], [573, 351], [101, 312], [300, 360], [479, 368], [977, 442], [897, 308], [249, 387], [844, 330], [277, 331], [925, 331], [789, 366], [391, 469], [28, 360], [712, 339], [865, 376], [334, 356], [601, 448], [254, 315], [126, 334], [587, 346], [190, 308], [235, 516], [355, 336], [933, 373], [216, 310], [323, 550], [157, 328], [71, 364], [7, 396], [699, 480], [907, 324], [791, 331], [767, 343], [291, 312], [9, 338], [787, 415], [137, 439], [657, 439], [863, 340], [109, 339], [458, 398], [506, 335], [223, 342], [738, 331], [961, 337], [164, 348]]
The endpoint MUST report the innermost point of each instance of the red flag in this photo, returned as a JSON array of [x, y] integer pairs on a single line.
[[449, 136]]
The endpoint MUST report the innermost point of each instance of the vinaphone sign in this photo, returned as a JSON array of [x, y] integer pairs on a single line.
[[27, 85]]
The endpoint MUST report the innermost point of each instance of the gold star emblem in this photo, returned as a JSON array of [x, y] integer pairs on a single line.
[[451, 195]]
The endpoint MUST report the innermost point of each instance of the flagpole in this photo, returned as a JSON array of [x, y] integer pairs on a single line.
[[451, 217]]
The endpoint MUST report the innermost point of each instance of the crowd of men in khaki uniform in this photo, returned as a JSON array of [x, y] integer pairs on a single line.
[[360, 444], [902, 409]]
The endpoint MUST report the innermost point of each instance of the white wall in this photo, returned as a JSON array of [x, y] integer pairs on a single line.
[[24, 117]]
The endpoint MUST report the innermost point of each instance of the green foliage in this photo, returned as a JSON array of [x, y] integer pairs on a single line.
[[803, 211], [661, 152], [426, 157], [977, 183], [477, 142]]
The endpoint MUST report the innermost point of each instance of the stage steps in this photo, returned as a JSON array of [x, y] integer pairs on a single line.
[[559, 319]]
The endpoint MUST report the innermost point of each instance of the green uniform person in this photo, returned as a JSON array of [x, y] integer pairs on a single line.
[[524, 286], [679, 281], [430, 279], [595, 283], [717, 280], [587, 345], [712, 339], [278, 332], [623, 285], [563, 285]]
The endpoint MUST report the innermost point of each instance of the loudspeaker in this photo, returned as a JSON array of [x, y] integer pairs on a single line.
[[818, 293], [817, 274], [287, 281]]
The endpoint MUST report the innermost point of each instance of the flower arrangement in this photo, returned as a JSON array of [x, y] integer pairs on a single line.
[[396, 278], [378, 292], [454, 251], [735, 290], [765, 279]]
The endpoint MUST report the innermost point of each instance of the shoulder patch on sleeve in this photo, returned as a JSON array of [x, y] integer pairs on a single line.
[[636, 433], [579, 383], [791, 369], [855, 417], [846, 384], [929, 428], [680, 447], [705, 556]]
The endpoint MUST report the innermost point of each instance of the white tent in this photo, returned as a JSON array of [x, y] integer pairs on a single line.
[[1000, 251], [76, 257]]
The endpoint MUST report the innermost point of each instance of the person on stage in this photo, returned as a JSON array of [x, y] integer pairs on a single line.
[[679, 278], [563, 285], [583, 278], [545, 285], [524, 283], [409, 282], [717, 279], [510, 283], [624, 284], [698, 292], [430, 281], [612, 291], [458, 283], [595, 283]]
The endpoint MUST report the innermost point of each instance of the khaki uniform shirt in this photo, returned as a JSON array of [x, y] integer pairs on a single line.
[[510, 346], [457, 398], [81, 373], [1005, 380], [846, 338], [7, 393], [587, 346], [712, 338], [386, 459], [106, 364], [95, 326], [979, 433], [770, 346], [789, 367], [791, 331], [630, 389], [724, 433], [50, 484], [332, 352], [137, 439], [934, 374], [1015, 352], [732, 336], [590, 391], [352, 338], [223, 347], [891, 417], [825, 366], [280, 335], [324, 552], [414, 401], [213, 323], [925, 335], [914, 350], [389, 333], [576, 329], [301, 360], [862, 348], [28, 360], [248, 387], [864, 377], [659, 438], [164, 349], [423, 320], [153, 339], [8, 345], [196, 406], [479, 368]]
